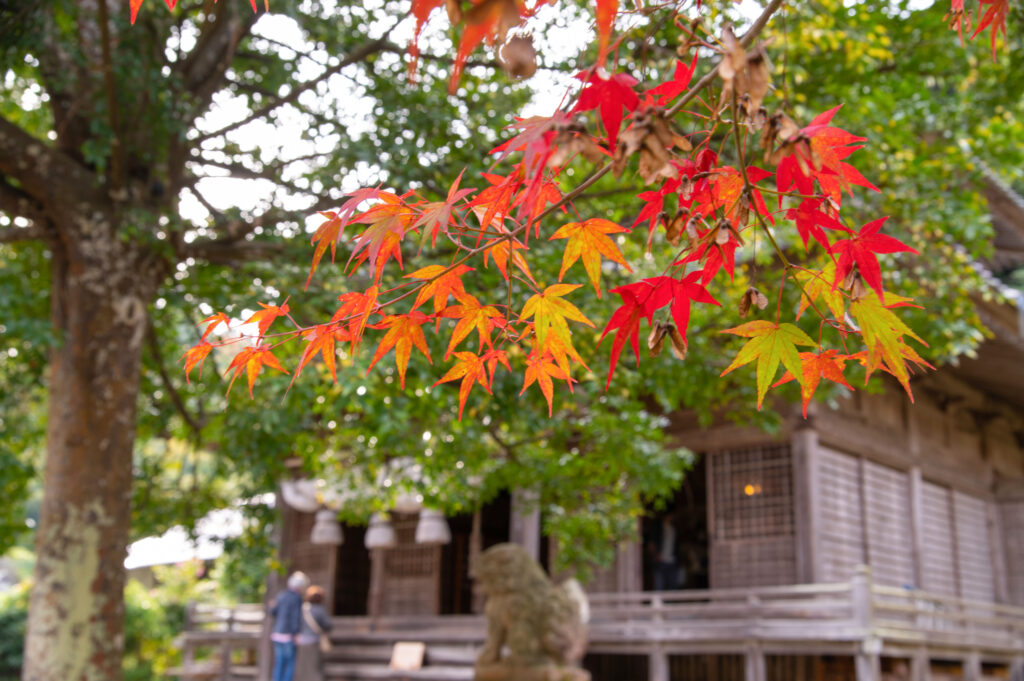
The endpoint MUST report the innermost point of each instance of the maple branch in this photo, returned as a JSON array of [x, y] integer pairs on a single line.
[[748, 190], [602, 170], [747, 38], [179, 404], [357, 55]]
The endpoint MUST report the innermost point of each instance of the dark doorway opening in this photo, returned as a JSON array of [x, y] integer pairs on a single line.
[[352, 578], [675, 554], [456, 584]]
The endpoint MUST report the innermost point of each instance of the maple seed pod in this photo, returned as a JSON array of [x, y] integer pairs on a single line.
[[656, 340], [752, 297], [675, 228], [519, 57], [677, 342], [854, 283]]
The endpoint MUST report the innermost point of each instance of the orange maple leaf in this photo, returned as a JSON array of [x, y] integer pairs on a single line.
[[355, 310], [321, 339], [472, 315], [404, 332], [471, 368], [505, 249], [814, 367], [541, 369], [213, 320], [446, 282], [389, 218], [252, 360], [195, 355], [265, 317], [589, 240], [606, 10]]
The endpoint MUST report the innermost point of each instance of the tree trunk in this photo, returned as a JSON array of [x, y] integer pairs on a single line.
[[76, 620]]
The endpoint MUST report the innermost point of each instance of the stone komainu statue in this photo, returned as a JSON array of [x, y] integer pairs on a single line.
[[536, 631]]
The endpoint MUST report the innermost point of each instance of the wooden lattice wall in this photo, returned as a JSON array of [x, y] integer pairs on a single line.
[[866, 518], [840, 527], [938, 565], [411, 573], [888, 523], [752, 530]]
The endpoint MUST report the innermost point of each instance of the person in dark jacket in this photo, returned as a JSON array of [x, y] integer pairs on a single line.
[[309, 659], [286, 610]]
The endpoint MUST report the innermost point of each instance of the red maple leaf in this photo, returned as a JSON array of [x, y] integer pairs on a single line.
[[639, 300], [671, 89], [860, 250], [610, 93], [827, 146], [994, 16], [810, 221], [437, 216]]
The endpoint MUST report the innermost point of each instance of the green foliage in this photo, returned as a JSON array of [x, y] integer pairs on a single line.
[[154, 616], [13, 609]]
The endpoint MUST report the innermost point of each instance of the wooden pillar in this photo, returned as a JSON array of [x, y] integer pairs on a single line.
[[630, 564], [806, 504], [657, 665], [753, 663], [916, 484], [972, 667], [524, 524], [868, 660], [373, 604], [869, 666], [1017, 669]]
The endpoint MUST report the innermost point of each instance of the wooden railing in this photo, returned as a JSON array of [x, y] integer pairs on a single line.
[[220, 642], [906, 613], [715, 619]]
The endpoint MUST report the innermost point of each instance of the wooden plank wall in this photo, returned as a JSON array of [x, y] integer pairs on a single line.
[[841, 534], [887, 514], [938, 569], [974, 553], [753, 536], [1012, 516]]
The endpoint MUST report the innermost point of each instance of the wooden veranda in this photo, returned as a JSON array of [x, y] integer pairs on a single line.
[[870, 632]]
